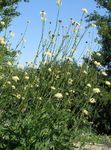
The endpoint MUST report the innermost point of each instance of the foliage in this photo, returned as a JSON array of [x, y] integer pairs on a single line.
[[101, 61], [8, 11]]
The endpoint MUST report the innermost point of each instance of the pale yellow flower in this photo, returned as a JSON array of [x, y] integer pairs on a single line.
[[58, 95], [104, 73], [59, 2], [26, 77], [92, 100], [70, 81], [85, 112], [8, 82], [98, 64], [43, 16], [2, 41], [18, 96], [15, 78], [53, 88], [107, 83], [84, 10], [67, 93], [93, 25], [49, 69], [9, 63], [85, 72], [96, 90], [13, 87], [88, 85], [2, 23], [98, 54]]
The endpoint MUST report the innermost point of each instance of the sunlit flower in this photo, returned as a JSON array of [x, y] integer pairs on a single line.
[[13, 87], [8, 82], [98, 64], [2, 23], [15, 78], [59, 2], [2, 41], [53, 88], [104, 73], [67, 93], [43, 15], [107, 83], [26, 77], [88, 85], [18, 96], [49, 69], [9, 63], [84, 10], [93, 25], [58, 95], [98, 54], [77, 23], [85, 72], [70, 81], [92, 100], [85, 112], [40, 98], [96, 90], [72, 91]]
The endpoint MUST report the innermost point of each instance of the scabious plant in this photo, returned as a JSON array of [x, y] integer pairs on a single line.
[[45, 105]]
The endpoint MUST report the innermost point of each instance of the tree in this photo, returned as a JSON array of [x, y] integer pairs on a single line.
[[101, 62], [8, 10], [103, 23]]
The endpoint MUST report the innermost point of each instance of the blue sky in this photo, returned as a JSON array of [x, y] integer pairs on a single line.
[[30, 11]]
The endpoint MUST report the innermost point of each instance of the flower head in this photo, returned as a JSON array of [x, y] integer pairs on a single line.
[[92, 100], [9, 63], [43, 15], [107, 83], [58, 95], [15, 78], [104, 73], [59, 3], [96, 90], [2, 41], [2, 23], [26, 77], [88, 85], [85, 112], [84, 10], [98, 54], [98, 64], [53, 88], [93, 25]]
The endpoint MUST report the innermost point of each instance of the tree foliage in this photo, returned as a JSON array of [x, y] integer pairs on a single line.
[[103, 23], [8, 10]]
